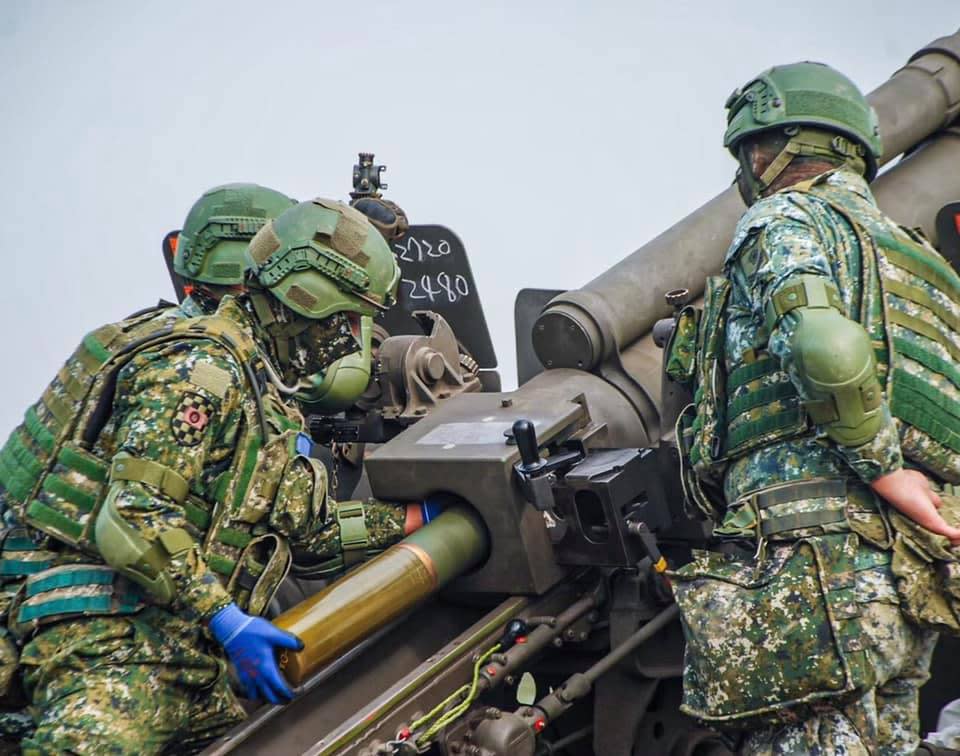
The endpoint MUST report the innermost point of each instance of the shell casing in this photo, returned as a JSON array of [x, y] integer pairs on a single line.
[[374, 594]]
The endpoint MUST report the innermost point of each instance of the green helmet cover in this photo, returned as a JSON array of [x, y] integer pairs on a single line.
[[805, 95], [212, 245], [322, 257]]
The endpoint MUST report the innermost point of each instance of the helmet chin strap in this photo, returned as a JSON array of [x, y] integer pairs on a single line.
[[282, 338], [802, 143]]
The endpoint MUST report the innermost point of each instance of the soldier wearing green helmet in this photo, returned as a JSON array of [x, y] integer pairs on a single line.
[[160, 490], [212, 245], [823, 439]]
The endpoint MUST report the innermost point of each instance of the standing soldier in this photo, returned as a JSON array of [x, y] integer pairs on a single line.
[[827, 392], [211, 247], [157, 494]]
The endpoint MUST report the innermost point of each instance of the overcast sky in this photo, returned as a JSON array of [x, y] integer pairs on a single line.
[[553, 137]]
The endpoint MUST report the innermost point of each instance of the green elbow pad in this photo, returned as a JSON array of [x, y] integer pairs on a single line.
[[130, 554], [838, 370]]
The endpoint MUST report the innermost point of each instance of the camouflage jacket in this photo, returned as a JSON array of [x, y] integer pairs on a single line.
[[188, 406], [780, 236]]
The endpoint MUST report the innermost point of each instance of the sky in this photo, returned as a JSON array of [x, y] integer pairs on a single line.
[[553, 137]]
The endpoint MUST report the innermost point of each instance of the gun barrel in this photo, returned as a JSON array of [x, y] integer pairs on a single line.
[[579, 328], [379, 591]]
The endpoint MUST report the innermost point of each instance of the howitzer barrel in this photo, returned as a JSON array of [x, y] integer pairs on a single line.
[[381, 590], [579, 328]]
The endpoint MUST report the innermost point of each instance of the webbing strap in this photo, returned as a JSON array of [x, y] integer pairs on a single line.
[[23, 456], [57, 407], [165, 480], [196, 516], [916, 385], [922, 411], [804, 489], [798, 520], [354, 538], [744, 374], [42, 515], [928, 359], [17, 482], [95, 348], [84, 463], [22, 567], [19, 543], [760, 427], [87, 359], [220, 564], [760, 397], [70, 578], [41, 433], [923, 298], [929, 269], [233, 537], [102, 604], [74, 388], [54, 484], [808, 291], [924, 328]]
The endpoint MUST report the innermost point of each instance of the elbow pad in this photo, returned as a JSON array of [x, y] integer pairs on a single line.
[[834, 361], [129, 553]]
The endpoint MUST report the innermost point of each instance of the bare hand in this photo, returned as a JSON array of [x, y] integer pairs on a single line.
[[909, 492]]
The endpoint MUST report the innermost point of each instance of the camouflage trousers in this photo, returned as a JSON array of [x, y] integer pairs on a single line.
[[139, 684], [885, 721]]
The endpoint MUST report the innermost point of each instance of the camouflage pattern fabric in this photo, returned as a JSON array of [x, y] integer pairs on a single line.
[[131, 684], [883, 722], [782, 236], [126, 685]]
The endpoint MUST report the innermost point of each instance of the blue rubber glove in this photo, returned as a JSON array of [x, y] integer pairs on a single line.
[[251, 643]]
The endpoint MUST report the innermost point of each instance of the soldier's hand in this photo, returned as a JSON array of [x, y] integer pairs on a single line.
[[909, 492], [251, 644]]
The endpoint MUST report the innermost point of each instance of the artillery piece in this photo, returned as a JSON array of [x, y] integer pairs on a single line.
[[566, 508]]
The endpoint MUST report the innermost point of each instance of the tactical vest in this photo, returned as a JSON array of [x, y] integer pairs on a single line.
[[60, 475], [910, 308]]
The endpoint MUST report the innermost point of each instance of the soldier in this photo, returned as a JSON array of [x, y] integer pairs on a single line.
[[827, 391], [210, 248], [157, 494]]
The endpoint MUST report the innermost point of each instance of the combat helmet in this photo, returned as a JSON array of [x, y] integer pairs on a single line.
[[820, 110], [219, 226], [332, 271], [322, 257]]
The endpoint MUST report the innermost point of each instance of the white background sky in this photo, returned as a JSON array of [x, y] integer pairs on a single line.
[[553, 137]]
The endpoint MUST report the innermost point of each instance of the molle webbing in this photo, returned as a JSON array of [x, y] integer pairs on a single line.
[[162, 479], [767, 499], [72, 590], [913, 319], [63, 493], [755, 412], [21, 556]]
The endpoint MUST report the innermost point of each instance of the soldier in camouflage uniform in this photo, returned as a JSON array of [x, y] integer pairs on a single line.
[[157, 493], [211, 247], [827, 391]]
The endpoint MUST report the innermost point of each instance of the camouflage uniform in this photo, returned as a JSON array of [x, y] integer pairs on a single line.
[[769, 441], [123, 674]]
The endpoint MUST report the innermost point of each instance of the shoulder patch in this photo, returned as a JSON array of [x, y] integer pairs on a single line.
[[191, 418], [211, 378]]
